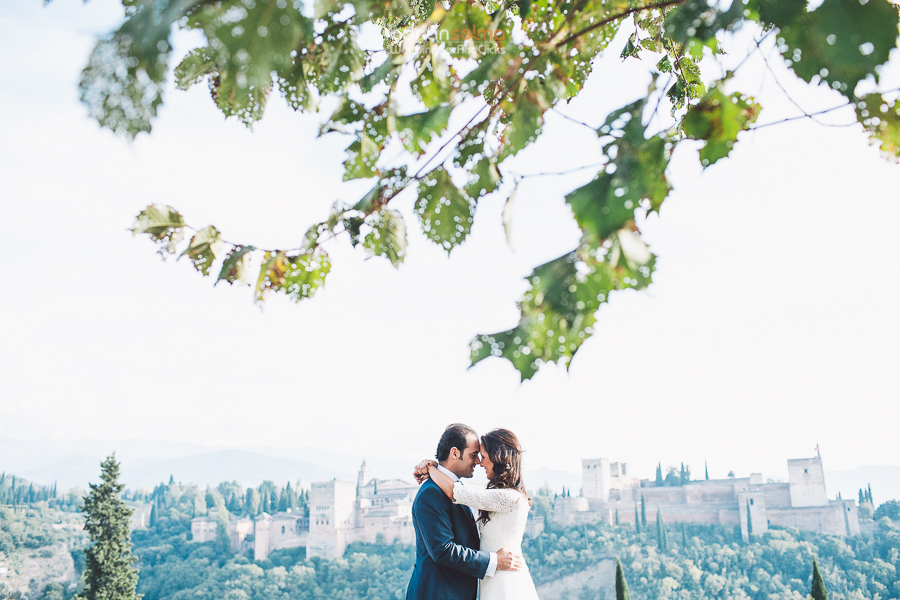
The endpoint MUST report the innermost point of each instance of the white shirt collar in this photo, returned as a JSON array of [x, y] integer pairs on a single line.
[[448, 472]]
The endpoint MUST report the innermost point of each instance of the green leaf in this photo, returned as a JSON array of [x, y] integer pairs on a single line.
[[203, 248], [298, 276], [718, 119], [842, 42], [388, 236], [557, 312], [163, 224], [416, 131], [881, 118], [247, 44], [235, 268], [386, 72], [123, 82], [433, 82], [697, 20], [337, 60], [468, 31], [632, 49], [780, 13], [484, 177], [688, 85], [198, 63], [636, 173], [523, 114], [445, 211], [361, 158]]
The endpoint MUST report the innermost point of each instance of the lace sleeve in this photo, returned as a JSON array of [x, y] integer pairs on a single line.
[[490, 500]]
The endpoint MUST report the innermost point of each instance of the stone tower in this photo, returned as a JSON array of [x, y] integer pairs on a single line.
[[365, 476], [261, 537], [595, 478], [332, 518], [807, 482]]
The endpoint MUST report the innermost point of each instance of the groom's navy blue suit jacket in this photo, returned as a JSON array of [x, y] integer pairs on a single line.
[[448, 560]]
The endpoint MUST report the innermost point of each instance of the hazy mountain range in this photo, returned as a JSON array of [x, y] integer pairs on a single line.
[[148, 463]]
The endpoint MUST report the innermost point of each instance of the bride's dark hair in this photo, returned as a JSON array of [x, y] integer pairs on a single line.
[[504, 451]]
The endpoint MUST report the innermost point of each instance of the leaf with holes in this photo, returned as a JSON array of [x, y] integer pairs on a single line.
[[235, 268], [163, 224], [841, 42], [203, 248], [433, 82], [388, 236], [445, 211], [247, 45], [718, 119], [361, 158], [298, 276], [881, 118], [557, 312], [416, 131], [484, 177], [636, 172]]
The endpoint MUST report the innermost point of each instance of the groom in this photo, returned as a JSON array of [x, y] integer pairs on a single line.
[[448, 560]]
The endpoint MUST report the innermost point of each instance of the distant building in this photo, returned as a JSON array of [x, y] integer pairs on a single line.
[[801, 503], [379, 511], [372, 511]]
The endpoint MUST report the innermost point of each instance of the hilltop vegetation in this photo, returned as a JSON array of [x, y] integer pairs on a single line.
[[671, 561]]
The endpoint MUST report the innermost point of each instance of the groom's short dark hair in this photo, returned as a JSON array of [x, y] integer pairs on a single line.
[[455, 436]]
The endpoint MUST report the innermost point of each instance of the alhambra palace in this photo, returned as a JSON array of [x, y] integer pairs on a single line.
[[379, 511]]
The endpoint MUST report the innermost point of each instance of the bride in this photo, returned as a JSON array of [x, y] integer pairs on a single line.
[[503, 509]]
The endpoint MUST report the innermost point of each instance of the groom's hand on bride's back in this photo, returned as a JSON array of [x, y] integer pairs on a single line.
[[508, 560]]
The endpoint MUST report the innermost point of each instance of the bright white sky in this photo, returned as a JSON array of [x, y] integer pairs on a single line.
[[772, 325]]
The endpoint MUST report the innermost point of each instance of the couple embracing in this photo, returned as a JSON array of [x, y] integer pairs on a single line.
[[454, 547]]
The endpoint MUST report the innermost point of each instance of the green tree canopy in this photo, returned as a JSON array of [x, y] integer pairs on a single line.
[[458, 88]]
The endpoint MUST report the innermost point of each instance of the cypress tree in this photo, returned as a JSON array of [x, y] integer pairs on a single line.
[[659, 477], [862, 496], [683, 535], [662, 536], [234, 505], [637, 519], [706, 468], [109, 566], [683, 475], [872, 502], [621, 584], [818, 591], [643, 511], [617, 516], [154, 517]]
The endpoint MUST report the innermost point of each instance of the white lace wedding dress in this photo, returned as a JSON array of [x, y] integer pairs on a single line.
[[505, 529]]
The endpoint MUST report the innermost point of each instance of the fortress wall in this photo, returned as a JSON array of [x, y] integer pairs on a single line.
[[662, 495], [819, 519], [391, 529], [288, 533], [778, 495]]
